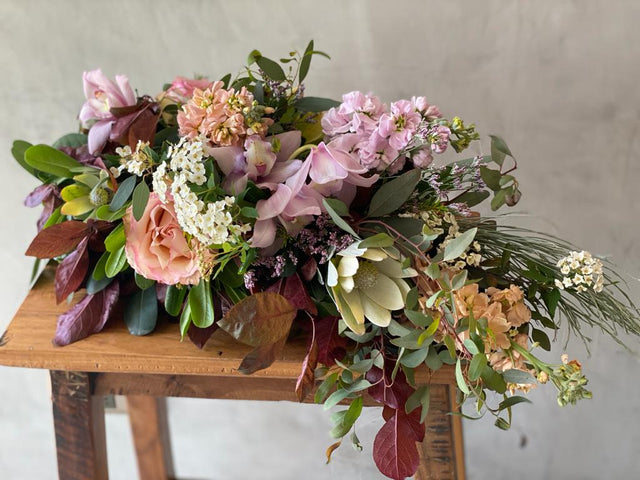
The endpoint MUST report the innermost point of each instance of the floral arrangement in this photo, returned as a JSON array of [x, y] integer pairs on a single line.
[[244, 205]]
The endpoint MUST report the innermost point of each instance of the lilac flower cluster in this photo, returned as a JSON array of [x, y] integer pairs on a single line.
[[322, 237], [384, 138], [317, 240], [456, 178]]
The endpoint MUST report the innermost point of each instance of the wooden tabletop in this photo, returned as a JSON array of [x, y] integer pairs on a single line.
[[27, 343]]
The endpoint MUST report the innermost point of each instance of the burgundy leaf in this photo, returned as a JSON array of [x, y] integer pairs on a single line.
[[40, 194], [50, 204], [309, 269], [200, 336], [143, 129], [58, 239], [395, 451], [71, 271], [262, 357], [331, 346], [86, 317], [99, 231], [306, 381], [393, 393], [296, 293]]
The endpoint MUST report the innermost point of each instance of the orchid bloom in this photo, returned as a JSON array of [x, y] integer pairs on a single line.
[[256, 161], [293, 203], [337, 173], [102, 95]]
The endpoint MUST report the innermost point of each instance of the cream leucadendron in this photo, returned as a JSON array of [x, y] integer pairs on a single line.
[[367, 283]]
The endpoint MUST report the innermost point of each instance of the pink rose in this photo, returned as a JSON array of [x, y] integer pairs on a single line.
[[156, 247]]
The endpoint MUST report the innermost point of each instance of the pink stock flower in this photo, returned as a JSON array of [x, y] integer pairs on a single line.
[[400, 125], [102, 95], [155, 245], [256, 161], [218, 115], [358, 113]]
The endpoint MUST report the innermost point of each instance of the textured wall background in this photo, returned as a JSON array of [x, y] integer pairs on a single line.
[[557, 79]]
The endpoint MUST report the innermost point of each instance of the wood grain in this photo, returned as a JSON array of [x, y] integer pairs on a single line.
[[79, 425], [441, 452], [150, 430], [27, 343]]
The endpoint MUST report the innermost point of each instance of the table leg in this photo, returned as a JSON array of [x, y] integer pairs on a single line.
[[442, 454], [78, 418], [150, 429]]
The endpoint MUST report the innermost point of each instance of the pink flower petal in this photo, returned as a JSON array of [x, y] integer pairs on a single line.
[[275, 204], [264, 233], [98, 135]]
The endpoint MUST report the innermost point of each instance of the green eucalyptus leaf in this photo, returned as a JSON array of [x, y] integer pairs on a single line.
[[174, 299], [185, 319], [379, 240], [125, 189], [476, 367], [316, 104], [305, 62], [72, 140], [141, 311], [518, 376], [341, 223], [201, 305], [459, 245], [272, 69], [511, 401], [116, 262], [460, 380], [491, 178], [142, 282], [392, 195], [140, 199], [499, 149]]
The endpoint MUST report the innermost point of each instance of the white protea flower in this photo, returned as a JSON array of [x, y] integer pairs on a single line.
[[367, 283]]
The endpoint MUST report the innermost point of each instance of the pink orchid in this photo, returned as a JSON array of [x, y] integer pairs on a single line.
[[336, 173], [293, 204], [102, 95], [256, 161]]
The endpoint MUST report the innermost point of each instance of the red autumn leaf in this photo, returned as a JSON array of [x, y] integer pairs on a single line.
[[99, 231], [58, 239], [72, 270], [262, 357], [87, 316], [395, 450], [260, 319], [295, 291], [331, 346], [393, 393], [413, 418], [307, 379], [143, 128], [309, 269]]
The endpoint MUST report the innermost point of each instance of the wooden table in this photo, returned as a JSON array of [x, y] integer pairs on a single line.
[[148, 369]]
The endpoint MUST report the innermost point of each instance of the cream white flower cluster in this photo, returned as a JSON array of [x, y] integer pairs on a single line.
[[134, 162], [581, 271], [471, 257], [211, 223]]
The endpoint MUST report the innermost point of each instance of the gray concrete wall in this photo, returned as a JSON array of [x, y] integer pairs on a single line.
[[559, 80]]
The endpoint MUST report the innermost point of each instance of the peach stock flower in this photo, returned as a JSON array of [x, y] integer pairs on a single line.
[[156, 247]]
